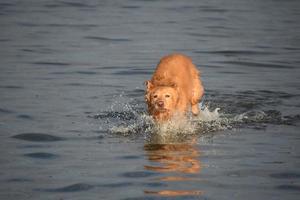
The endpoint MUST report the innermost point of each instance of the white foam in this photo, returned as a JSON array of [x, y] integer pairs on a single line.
[[206, 120], [206, 115]]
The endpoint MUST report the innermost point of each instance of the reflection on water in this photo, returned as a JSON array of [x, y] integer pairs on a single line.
[[175, 193], [176, 162]]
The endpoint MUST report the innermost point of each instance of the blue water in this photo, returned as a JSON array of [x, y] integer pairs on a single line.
[[71, 72]]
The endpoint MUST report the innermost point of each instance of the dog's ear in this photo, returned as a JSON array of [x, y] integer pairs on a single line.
[[147, 97], [148, 85]]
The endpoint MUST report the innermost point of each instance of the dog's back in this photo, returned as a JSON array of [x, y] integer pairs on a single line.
[[174, 68]]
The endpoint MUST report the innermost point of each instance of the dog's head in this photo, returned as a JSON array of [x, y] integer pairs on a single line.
[[161, 98]]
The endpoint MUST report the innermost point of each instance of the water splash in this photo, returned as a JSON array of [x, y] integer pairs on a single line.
[[128, 118], [144, 124]]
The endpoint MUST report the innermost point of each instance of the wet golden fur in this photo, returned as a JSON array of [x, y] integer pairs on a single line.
[[175, 88]]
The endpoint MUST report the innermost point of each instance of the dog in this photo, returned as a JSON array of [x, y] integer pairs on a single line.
[[174, 89]]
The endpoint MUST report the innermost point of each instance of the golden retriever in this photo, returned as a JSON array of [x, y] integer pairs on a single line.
[[174, 89]]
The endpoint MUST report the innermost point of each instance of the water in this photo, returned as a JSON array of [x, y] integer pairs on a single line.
[[73, 121]]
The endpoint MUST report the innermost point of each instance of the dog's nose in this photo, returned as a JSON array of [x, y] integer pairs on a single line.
[[160, 104]]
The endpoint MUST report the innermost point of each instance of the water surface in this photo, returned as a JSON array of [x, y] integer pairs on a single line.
[[73, 71]]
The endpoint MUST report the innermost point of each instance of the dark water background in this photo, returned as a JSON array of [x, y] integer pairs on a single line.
[[71, 70]]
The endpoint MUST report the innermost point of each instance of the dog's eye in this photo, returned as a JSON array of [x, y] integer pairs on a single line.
[[155, 96], [167, 95]]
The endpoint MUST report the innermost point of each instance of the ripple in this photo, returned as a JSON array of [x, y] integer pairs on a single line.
[[75, 72], [291, 120], [83, 85], [6, 111], [235, 52], [288, 187], [246, 101], [116, 185], [155, 184], [212, 9], [78, 187], [133, 72], [5, 4], [27, 24], [11, 87], [52, 63], [258, 173], [33, 146], [3, 40], [41, 155], [107, 39], [86, 72], [78, 4], [82, 26], [228, 72], [69, 4], [259, 65], [131, 7], [138, 174], [200, 35], [215, 66], [129, 157], [25, 116], [275, 162], [37, 137], [20, 180], [286, 175]]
